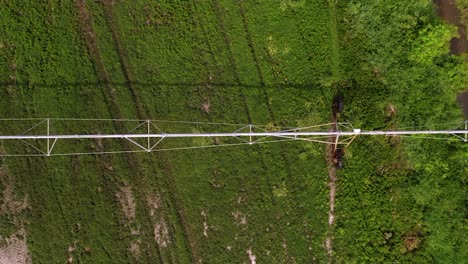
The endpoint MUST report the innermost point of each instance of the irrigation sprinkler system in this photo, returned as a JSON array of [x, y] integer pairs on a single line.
[[43, 143]]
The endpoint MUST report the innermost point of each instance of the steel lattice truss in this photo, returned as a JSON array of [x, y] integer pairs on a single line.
[[41, 137]]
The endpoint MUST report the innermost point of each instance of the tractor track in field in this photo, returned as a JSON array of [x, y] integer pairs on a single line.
[[111, 101], [250, 43], [306, 43], [253, 51], [207, 84], [232, 62], [235, 71], [236, 75], [76, 167], [89, 36], [329, 150], [143, 113], [205, 87], [264, 91], [234, 67], [121, 52], [262, 84], [199, 22]]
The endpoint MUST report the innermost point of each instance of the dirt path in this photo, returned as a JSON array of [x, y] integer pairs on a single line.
[[122, 54], [13, 247], [332, 185], [448, 11], [336, 72]]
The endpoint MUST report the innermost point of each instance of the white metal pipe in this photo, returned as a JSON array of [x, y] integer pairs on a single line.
[[236, 134]]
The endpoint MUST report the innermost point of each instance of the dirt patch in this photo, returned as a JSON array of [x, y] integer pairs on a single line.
[[10, 203], [127, 202], [16, 249], [332, 185], [448, 11], [252, 257], [206, 107], [134, 248], [154, 203], [161, 234], [160, 228], [239, 217], [390, 111], [71, 249], [205, 223], [412, 242], [329, 246]]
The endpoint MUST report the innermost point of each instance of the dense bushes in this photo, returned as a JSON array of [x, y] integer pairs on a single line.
[[403, 198]]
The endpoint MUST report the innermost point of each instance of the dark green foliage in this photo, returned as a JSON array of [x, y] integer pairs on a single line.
[[400, 199]]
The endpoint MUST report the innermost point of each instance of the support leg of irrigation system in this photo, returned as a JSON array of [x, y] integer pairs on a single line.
[[48, 140], [148, 123], [49, 146]]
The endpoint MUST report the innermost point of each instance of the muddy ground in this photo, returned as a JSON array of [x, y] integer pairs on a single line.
[[448, 11]]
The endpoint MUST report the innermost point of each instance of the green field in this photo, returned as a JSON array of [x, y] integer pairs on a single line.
[[273, 63]]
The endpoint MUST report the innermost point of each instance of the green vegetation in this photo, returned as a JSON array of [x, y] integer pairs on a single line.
[[399, 199], [277, 63]]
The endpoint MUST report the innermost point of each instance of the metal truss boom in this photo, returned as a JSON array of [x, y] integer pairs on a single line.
[[239, 134], [148, 138]]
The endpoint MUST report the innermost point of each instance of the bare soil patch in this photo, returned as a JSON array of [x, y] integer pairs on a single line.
[[412, 242], [206, 107], [447, 10], [71, 249], [332, 185], [252, 257], [10, 203], [134, 248], [160, 227], [239, 217], [205, 223], [16, 250], [127, 202], [161, 234], [154, 203]]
